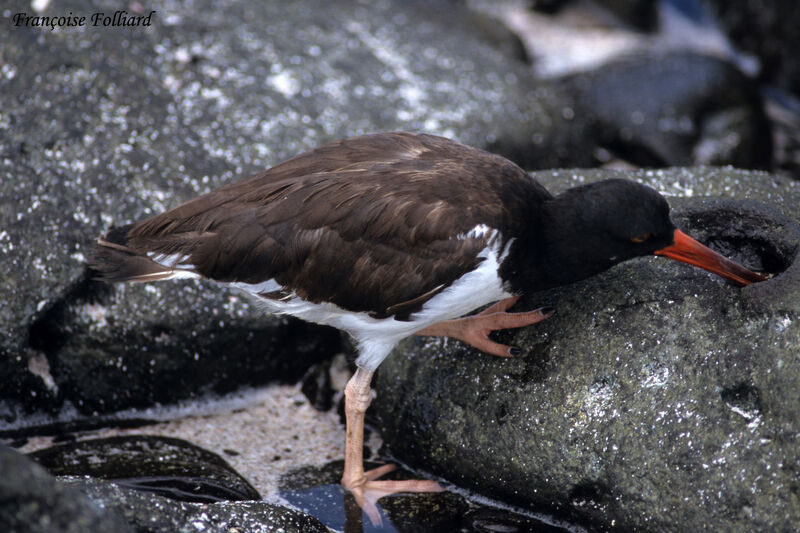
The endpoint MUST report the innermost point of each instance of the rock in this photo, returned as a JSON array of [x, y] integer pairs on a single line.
[[317, 491], [102, 126], [639, 14], [32, 501], [766, 29], [679, 94], [317, 386], [111, 348], [171, 467], [657, 398], [151, 513], [488, 520], [675, 109]]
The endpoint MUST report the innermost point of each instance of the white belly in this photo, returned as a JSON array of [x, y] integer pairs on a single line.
[[377, 336]]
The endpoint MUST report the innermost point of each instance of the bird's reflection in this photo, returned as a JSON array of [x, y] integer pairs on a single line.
[[337, 509]]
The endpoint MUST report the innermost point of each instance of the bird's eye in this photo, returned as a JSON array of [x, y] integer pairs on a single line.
[[641, 238]]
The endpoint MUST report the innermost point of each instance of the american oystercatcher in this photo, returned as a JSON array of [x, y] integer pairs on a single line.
[[395, 234]]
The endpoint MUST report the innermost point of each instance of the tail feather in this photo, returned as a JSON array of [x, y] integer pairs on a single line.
[[111, 259]]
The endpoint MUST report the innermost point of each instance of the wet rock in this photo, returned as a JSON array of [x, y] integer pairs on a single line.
[[487, 520], [658, 397], [567, 37], [639, 14], [317, 491], [317, 387], [151, 513], [766, 29], [116, 347], [32, 501], [676, 109], [103, 126], [170, 467]]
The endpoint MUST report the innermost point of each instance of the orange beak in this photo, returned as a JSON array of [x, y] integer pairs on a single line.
[[688, 250]]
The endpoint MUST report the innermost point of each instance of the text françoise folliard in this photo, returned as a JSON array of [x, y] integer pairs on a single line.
[[118, 19]]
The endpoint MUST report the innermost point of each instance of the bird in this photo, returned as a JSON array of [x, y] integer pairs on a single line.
[[389, 235]]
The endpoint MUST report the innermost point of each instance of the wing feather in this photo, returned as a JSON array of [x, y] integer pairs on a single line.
[[376, 223]]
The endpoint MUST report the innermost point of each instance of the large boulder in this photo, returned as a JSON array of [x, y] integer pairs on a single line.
[[170, 467], [32, 501], [160, 485], [658, 397], [676, 109], [145, 512]]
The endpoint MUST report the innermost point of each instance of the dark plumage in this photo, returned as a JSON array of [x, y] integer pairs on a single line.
[[389, 235], [364, 223]]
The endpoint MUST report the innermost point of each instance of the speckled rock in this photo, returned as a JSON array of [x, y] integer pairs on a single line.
[[318, 492], [657, 398], [170, 467], [32, 501], [151, 513], [765, 28], [110, 348], [102, 126], [676, 109]]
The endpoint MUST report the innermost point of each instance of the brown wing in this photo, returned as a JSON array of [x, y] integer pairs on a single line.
[[368, 223]]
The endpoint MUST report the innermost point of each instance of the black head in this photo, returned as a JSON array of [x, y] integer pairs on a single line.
[[588, 229], [593, 227]]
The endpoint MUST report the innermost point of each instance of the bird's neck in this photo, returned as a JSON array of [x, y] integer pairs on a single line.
[[547, 253]]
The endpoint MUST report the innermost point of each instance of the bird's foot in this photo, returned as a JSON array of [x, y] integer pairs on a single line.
[[475, 329], [367, 490]]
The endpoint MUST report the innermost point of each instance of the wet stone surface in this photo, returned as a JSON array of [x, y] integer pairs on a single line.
[[147, 512], [691, 110], [159, 485], [173, 468], [32, 501], [657, 397], [317, 492], [103, 126]]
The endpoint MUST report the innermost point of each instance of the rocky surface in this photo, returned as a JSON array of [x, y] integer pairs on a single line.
[[102, 126], [171, 467], [668, 82], [110, 348], [160, 485], [676, 109], [767, 30], [32, 501], [150, 513], [317, 491], [657, 397]]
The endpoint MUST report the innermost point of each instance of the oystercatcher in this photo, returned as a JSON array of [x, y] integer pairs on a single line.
[[395, 234]]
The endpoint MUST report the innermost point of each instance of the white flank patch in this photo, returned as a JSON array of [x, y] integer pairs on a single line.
[[258, 288], [172, 262], [377, 337], [178, 274]]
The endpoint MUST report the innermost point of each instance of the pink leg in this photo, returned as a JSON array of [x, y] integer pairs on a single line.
[[364, 485], [475, 329]]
